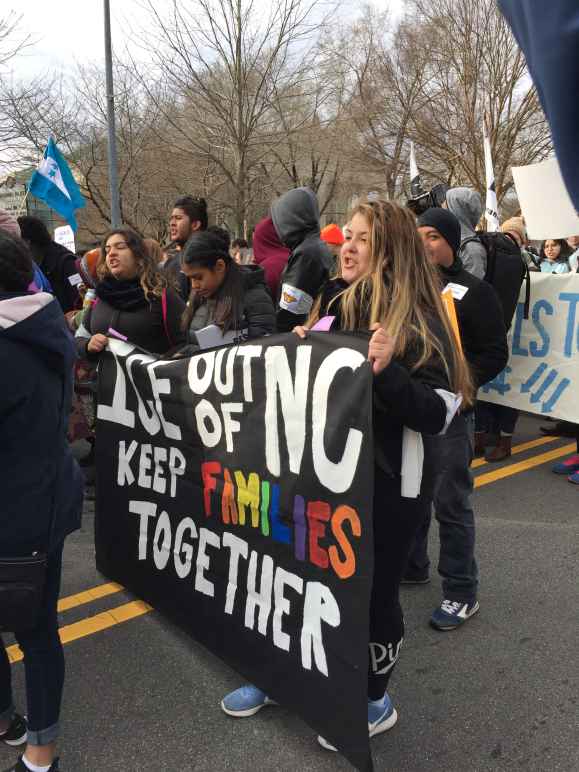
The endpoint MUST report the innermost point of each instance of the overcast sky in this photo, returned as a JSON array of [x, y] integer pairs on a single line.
[[69, 30]]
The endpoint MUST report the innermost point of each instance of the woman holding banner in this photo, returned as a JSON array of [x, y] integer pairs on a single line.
[[386, 285], [134, 301]]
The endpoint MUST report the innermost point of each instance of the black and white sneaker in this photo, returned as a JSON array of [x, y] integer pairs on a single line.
[[20, 766], [16, 733], [452, 614]]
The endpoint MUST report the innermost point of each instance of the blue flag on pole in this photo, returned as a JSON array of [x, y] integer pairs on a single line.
[[54, 184]]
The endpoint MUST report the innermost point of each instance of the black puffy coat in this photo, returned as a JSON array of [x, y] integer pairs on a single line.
[[481, 323], [58, 264], [145, 327]]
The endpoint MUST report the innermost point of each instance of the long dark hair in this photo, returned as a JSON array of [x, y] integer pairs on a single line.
[[16, 269], [203, 250], [152, 280], [563, 255]]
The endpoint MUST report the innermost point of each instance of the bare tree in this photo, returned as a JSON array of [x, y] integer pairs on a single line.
[[473, 66], [12, 43], [222, 63]]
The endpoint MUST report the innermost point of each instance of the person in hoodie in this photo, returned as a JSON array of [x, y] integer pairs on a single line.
[[296, 218], [41, 489], [57, 262], [223, 293], [270, 254], [466, 205], [484, 342]]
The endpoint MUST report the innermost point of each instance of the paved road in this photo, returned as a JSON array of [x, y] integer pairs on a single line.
[[500, 693]]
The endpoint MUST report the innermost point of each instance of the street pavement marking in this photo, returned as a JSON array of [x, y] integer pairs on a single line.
[[92, 625], [519, 449], [87, 596], [522, 466]]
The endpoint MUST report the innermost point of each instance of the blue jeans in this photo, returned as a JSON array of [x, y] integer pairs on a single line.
[[43, 665], [453, 509]]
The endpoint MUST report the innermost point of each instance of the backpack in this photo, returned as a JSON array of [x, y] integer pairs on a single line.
[[506, 271]]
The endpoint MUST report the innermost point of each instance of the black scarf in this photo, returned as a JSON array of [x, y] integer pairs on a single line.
[[452, 270], [122, 294]]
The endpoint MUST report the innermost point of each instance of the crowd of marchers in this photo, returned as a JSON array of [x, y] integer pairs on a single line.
[[383, 272]]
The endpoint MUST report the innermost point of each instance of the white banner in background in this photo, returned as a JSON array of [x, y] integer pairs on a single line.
[[542, 375], [64, 235], [546, 206]]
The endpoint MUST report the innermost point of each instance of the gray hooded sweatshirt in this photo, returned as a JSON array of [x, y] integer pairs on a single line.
[[466, 205], [296, 219]]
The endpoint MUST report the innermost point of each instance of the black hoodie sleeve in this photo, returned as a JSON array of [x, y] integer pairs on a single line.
[[410, 398], [301, 282]]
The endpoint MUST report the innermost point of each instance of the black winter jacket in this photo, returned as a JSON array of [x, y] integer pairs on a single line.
[[403, 397], [144, 327], [40, 480], [58, 263], [481, 322], [296, 219]]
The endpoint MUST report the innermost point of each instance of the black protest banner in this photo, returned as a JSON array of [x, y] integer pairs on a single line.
[[234, 494]]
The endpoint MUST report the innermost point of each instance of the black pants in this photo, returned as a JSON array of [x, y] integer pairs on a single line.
[[396, 521], [495, 419]]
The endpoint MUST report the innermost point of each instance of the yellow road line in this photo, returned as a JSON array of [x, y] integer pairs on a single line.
[[522, 466], [519, 449], [92, 625], [87, 596]]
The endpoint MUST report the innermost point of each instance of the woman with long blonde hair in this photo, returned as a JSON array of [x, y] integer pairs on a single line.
[[134, 301], [386, 287]]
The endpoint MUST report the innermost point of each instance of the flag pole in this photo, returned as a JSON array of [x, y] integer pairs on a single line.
[[491, 206], [113, 166]]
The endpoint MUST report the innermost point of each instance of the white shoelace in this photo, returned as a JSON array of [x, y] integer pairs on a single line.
[[451, 606]]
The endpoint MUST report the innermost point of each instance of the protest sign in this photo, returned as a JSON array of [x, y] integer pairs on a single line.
[[234, 494], [545, 202], [542, 375], [64, 235]]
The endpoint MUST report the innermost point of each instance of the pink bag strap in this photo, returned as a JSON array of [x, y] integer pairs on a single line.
[[164, 310]]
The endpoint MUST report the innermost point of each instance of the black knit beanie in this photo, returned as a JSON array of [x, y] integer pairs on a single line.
[[445, 223]]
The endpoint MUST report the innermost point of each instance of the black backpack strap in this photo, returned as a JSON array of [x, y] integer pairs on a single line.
[[468, 241], [527, 280]]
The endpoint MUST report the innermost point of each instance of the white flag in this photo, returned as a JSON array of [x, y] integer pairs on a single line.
[[415, 184], [492, 209]]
